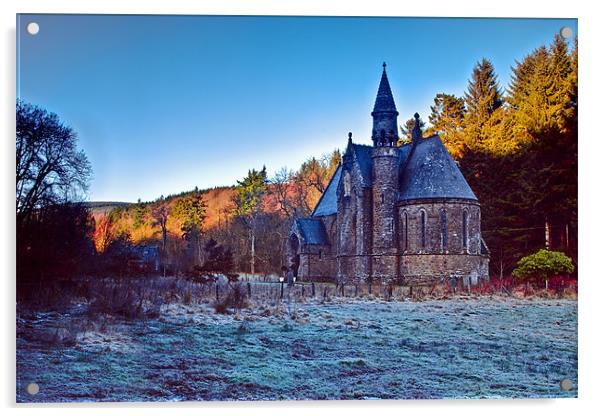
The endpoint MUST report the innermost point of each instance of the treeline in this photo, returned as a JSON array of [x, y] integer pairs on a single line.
[[251, 219], [518, 150], [232, 229]]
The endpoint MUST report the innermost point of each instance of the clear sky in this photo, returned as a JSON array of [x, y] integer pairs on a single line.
[[162, 104]]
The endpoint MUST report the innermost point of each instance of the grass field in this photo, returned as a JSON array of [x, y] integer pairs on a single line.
[[341, 349]]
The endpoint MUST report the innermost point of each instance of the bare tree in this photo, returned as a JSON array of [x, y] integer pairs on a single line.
[[50, 167]]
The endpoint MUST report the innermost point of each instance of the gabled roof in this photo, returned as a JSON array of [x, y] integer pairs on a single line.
[[312, 231], [384, 98], [363, 155], [327, 205], [430, 172]]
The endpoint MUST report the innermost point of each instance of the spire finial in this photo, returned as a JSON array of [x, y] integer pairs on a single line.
[[349, 135], [384, 65], [416, 131]]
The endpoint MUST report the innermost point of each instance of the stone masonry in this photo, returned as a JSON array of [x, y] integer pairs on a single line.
[[394, 214]]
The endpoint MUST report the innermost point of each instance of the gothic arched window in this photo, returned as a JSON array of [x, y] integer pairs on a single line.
[[405, 231], [423, 228], [465, 229], [443, 218], [346, 184]]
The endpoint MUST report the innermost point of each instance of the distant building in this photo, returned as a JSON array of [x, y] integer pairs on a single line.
[[392, 213], [145, 258]]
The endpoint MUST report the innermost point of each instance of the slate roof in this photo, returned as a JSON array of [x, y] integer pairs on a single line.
[[384, 98], [327, 205], [312, 231], [363, 155], [427, 172], [430, 172]]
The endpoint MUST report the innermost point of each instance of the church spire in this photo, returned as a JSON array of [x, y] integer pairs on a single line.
[[384, 126]]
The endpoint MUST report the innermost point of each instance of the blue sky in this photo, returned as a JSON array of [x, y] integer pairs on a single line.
[[162, 104]]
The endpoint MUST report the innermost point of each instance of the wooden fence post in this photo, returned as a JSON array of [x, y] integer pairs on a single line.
[[313, 289], [343, 289], [281, 290], [325, 292], [249, 289]]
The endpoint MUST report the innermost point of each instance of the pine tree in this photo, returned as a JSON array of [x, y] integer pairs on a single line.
[[248, 202], [406, 131], [447, 120], [484, 111]]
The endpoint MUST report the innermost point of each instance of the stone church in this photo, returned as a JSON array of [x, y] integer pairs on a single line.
[[394, 214]]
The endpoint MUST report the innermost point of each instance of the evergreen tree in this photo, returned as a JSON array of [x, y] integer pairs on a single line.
[[191, 212], [248, 202], [484, 109], [406, 131], [447, 120]]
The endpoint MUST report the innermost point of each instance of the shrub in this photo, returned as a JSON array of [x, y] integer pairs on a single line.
[[236, 298], [542, 265]]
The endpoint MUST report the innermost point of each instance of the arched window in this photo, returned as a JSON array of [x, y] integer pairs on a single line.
[[405, 230], [423, 228], [346, 184], [465, 229], [443, 218]]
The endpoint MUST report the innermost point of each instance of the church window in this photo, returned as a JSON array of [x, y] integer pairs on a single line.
[[464, 229], [443, 229], [423, 229], [405, 231], [346, 184]]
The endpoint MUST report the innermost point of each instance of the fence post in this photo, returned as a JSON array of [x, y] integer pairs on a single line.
[[249, 288], [343, 289], [370, 287], [325, 292], [281, 290], [356, 291], [313, 289], [302, 289]]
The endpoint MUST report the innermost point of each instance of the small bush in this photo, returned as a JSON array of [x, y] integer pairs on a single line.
[[542, 265]]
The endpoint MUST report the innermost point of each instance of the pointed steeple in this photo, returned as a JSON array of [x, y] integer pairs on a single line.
[[384, 97], [384, 115]]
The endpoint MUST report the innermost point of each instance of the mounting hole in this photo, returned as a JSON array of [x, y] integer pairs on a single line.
[[566, 32], [33, 28], [566, 384], [33, 388]]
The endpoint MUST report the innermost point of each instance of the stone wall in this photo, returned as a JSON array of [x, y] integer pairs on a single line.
[[317, 263], [449, 249], [410, 232], [427, 269], [354, 226], [385, 162]]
